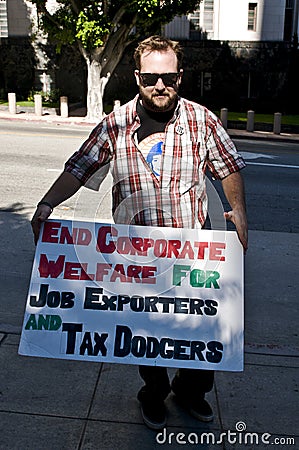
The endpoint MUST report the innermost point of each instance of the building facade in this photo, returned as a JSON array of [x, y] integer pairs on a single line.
[[238, 20], [223, 20], [237, 53]]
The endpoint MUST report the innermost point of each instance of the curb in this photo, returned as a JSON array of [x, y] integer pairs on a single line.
[[82, 121], [257, 136], [48, 118]]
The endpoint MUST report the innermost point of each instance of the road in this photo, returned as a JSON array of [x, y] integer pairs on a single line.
[[272, 188], [32, 155]]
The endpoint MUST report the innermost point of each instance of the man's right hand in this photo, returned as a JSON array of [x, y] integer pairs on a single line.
[[41, 214]]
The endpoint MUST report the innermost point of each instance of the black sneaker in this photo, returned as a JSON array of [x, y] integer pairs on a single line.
[[200, 409], [153, 412]]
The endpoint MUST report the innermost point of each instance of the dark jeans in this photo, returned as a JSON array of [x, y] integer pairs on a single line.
[[190, 383]]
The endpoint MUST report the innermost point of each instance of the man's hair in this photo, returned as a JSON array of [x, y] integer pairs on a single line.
[[158, 43]]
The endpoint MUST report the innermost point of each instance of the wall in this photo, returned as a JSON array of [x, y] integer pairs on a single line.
[[19, 16], [243, 75], [231, 22], [240, 75]]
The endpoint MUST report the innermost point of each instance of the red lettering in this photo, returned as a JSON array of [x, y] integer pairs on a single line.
[[216, 251], [160, 248], [147, 243], [123, 245], [119, 272], [104, 233], [187, 251], [84, 275], [102, 270], [137, 244], [134, 272], [65, 236], [52, 268], [201, 249], [84, 236], [72, 271], [173, 247], [50, 232], [77, 271], [147, 273]]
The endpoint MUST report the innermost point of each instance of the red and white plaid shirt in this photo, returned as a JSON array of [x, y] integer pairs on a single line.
[[194, 140]]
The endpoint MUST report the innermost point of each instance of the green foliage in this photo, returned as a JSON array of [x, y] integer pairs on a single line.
[[92, 22], [51, 97], [91, 28]]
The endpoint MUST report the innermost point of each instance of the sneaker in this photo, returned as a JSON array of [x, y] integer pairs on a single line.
[[153, 412], [200, 409]]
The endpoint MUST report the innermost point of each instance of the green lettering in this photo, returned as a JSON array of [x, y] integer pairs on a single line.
[[178, 273], [55, 323], [211, 278], [43, 322], [31, 324], [197, 278]]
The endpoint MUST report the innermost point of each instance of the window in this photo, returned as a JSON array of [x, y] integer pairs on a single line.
[[202, 19], [195, 20], [289, 4], [209, 15], [252, 14], [3, 19], [288, 20]]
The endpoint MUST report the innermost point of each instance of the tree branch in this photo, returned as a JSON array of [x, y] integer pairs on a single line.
[[76, 6], [119, 14], [45, 12]]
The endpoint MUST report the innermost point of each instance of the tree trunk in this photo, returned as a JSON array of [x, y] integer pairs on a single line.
[[96, 83], [101, 63]]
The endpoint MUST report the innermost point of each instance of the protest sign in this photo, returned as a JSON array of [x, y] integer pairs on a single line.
[[128, 294]]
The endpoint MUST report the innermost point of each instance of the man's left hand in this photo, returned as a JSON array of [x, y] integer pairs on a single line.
[[240, 221]]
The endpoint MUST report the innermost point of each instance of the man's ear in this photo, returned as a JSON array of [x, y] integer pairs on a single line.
[[136, 73]]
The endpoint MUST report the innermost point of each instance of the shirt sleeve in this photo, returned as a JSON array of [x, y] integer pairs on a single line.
[[90, 164], [222, 156]]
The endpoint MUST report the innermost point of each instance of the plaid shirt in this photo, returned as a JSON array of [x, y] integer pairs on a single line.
[[194, 141]]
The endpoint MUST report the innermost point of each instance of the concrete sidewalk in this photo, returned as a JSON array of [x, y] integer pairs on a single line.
[[68, 405]]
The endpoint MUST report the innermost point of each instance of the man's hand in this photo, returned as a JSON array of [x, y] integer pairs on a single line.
[[41, 214], [239, 220]]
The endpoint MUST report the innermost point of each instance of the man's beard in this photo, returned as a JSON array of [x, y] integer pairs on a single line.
[[158, 106]]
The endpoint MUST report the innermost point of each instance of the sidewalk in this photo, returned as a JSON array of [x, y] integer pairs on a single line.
[[77, 118], [69, 405]]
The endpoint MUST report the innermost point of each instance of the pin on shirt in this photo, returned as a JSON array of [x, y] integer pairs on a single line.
[[179, 129]]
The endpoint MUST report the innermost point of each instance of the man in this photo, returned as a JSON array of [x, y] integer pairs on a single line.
[[158, 146]]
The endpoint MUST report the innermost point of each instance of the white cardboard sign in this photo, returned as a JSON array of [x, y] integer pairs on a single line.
[[128, 294]]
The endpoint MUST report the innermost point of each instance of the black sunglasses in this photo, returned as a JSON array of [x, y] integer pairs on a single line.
[[150, 79]]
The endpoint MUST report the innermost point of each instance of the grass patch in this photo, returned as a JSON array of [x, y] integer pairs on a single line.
[[262, 118], [29, 103]]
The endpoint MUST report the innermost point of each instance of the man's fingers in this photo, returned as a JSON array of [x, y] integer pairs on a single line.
[[241, 227], [42, 213]]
